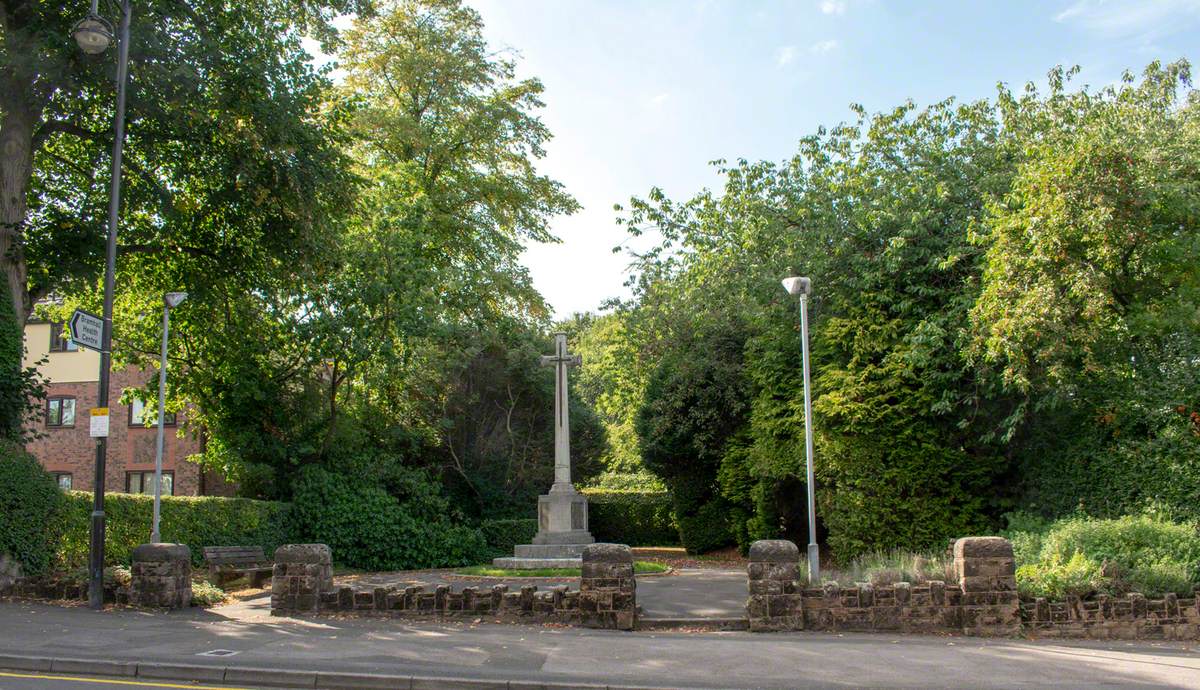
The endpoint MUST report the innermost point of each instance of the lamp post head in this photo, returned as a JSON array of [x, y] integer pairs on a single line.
[[796, 285], [174, 299], [93, 33]]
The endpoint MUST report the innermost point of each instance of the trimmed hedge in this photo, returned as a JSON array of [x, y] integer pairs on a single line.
[[197, 521], [370, 528], [635, 518], [30, 503], [503, 535]]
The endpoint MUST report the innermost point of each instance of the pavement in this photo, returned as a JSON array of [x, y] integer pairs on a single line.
[[40, 639]]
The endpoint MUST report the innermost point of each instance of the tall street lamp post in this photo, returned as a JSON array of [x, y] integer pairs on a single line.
[[170, 301], [803, 288], [94, 35]]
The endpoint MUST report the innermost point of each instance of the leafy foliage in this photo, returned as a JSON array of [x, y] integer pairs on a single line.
[[504, 534], [31, 507], [1004, 316], [21, 391], [371, 528], [197, 521], [1081, 556], [635, 518]]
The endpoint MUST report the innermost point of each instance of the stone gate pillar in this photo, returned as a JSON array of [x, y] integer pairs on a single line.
[[775, 601], [607, 587], [303, 572], [161, 576], [987, 575]]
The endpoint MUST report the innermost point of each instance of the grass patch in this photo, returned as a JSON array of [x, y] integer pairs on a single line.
[[639, 568]]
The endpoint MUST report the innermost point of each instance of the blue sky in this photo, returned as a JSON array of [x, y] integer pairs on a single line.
[[647, 93]]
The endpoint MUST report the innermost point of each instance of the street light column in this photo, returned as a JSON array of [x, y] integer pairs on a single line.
[[802, 287], [96, 557], [170, 300], [814, 556]]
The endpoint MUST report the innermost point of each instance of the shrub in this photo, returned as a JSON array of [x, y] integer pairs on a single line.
[[635, 518], [30, 505], [503, 535], [206, 594], [1056, 578], [1140, 553], [707, 529], [369, 528], [197, 521]]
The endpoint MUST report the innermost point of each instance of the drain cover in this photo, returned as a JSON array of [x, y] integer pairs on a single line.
[[218, 652]]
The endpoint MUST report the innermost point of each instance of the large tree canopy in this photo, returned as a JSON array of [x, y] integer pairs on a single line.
[[232, 167], [1005, 293]]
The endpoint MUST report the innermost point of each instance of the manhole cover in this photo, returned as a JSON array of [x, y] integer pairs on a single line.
[[218, 652]]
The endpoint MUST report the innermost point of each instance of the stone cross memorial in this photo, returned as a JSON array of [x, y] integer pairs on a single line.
[[562, 513]]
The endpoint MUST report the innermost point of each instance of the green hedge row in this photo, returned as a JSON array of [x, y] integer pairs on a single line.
[[503, 535], [197, 521], [371, 528], [636, 518], [43, 528], [29, 503]]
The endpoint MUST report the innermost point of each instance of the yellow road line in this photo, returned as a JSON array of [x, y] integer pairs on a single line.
[[139, 683]]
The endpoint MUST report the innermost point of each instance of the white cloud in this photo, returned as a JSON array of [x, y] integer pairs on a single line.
[[785, 55], [1125, 18], [833, 6], [821, 47], [660, 99]]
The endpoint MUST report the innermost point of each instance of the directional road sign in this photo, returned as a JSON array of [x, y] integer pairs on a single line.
[[87, 330]]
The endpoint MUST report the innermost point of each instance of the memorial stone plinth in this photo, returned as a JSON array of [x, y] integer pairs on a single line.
[[562, 513]]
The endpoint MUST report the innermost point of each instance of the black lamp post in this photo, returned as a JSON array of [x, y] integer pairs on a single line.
[[94, 35]]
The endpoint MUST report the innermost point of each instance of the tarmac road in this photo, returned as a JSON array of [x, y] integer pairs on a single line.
[[17, 680], [172, 646]]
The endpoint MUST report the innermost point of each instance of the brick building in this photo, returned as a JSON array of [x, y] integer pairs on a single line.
[[66, 448]]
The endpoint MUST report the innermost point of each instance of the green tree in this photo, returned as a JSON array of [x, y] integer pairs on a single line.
[[1090, 295], [231, 164]]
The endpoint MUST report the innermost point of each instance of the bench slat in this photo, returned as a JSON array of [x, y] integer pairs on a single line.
[[234, 555]]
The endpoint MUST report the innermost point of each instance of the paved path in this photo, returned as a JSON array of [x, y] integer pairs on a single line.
[[556, 654], [693, 593]]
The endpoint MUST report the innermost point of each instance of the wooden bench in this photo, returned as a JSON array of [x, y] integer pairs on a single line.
[[231, 562]]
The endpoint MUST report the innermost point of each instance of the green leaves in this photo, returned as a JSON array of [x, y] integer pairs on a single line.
[[1002, 289]]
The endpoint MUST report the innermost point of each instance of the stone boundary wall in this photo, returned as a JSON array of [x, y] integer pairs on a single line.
[[1128, 617], [983, 602], [56, 589], [302, 584]]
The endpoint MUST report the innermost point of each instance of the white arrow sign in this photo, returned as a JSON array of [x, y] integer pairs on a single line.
[[87, 330]]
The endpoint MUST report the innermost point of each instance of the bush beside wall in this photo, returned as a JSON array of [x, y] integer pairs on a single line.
[[635, 518], [30, 503], [197, 521], [367, 527]]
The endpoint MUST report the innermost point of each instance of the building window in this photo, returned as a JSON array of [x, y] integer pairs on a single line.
[[60, 412], [143, 482], [60, 341], [138, 415], [64, 480]]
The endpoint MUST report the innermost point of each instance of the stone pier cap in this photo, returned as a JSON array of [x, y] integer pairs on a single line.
[[161, 551], [607, 553], [774, 551], [303, 553], [983, 547]]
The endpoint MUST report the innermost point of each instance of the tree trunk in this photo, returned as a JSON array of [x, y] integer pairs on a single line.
[[16, 168]]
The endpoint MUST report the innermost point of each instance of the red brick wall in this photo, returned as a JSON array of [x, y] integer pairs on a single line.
[[130, 448]]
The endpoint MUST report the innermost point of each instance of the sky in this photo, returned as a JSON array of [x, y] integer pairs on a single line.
[[646, 93]]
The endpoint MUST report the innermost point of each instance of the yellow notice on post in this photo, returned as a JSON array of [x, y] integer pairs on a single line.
[[99, 426]]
